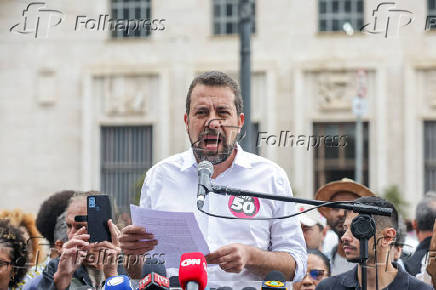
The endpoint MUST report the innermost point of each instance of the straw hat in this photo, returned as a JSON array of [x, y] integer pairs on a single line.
[[327, 191]]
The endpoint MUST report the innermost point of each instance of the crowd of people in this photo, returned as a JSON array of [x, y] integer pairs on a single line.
[[317, 250]]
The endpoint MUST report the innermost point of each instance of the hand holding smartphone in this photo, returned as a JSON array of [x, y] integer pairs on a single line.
[[99, 212]]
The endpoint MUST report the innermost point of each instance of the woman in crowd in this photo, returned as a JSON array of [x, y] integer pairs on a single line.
[[318, 268], [26, 223], [13, 255]]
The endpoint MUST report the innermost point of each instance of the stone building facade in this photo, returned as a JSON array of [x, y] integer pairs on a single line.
[[72, 94]]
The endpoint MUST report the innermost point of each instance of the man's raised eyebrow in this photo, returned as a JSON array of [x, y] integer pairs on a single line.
[[200, 106]]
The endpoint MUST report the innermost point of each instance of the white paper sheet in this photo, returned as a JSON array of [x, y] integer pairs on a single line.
[[176, 233]]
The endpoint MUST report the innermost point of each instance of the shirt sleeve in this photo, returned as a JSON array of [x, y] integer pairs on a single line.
[[146, 190], [286, 234]]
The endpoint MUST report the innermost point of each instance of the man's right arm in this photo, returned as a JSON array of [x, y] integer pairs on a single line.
[[135, 242]]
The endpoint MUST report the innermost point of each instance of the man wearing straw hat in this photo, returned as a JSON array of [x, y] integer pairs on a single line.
[[340, 190]]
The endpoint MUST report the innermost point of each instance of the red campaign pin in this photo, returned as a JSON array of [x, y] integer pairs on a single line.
[[244, 206]]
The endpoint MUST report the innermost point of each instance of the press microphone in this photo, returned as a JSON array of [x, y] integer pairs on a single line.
[[193, 271], [154, 281], [153, 265], [154, 274], [205, 171], [174, 282], [120, 282], [274, 280]]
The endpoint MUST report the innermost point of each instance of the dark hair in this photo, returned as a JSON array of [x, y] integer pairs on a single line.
[[381, 222], [323, 258], [82, 194], [426, 213], [11, 237], [49, 211], [216, 79], [401, 233]]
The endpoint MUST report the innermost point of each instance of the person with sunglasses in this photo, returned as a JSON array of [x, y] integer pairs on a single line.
[[13, 255], [318, 268]]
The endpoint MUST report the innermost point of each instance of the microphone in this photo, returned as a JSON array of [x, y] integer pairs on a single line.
[[193, 271], [154, 276], [153, 265], [174, 282], [120, 282], [154, 281], [274, 280], [205, 171]]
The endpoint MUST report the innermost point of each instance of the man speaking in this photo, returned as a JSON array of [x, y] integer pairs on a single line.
[[241, 249]]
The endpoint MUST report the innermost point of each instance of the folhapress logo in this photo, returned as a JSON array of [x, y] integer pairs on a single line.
[[38, 20], [387, 19]]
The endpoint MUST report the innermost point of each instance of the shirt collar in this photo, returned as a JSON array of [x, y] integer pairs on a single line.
[[242, 159], [349, 279], [188, 160], [401, 280], [424, 244]]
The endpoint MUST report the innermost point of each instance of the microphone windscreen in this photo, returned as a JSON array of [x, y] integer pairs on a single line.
[[274, 280], [193, 268], [154, 281], [174, 281], [120, 282], [153, 265], [206, 165]]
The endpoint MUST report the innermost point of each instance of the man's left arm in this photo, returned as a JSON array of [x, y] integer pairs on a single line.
[[287, 251], [286, 235]]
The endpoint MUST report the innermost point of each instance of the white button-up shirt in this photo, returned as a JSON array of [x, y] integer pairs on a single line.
[[171, 185]]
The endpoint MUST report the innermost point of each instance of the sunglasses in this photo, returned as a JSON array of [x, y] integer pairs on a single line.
[[316, 274]]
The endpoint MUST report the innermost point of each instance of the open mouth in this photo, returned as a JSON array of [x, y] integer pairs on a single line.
[[212, 141]]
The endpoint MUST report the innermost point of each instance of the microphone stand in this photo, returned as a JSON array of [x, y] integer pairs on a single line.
[[363, 226], [356, 207]]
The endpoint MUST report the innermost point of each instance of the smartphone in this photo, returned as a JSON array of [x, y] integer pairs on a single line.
[[99, 212]]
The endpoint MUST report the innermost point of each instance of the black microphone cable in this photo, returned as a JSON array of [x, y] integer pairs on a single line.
[[274, 218]]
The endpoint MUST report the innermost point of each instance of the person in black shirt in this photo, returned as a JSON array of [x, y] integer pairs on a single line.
[[425, 217], [389, 276]]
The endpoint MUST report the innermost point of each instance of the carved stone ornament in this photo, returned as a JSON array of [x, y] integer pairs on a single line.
[[124, 95], [335, 90]]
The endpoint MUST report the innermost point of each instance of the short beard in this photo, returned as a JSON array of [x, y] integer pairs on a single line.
[[214, 157], [339, 232]]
